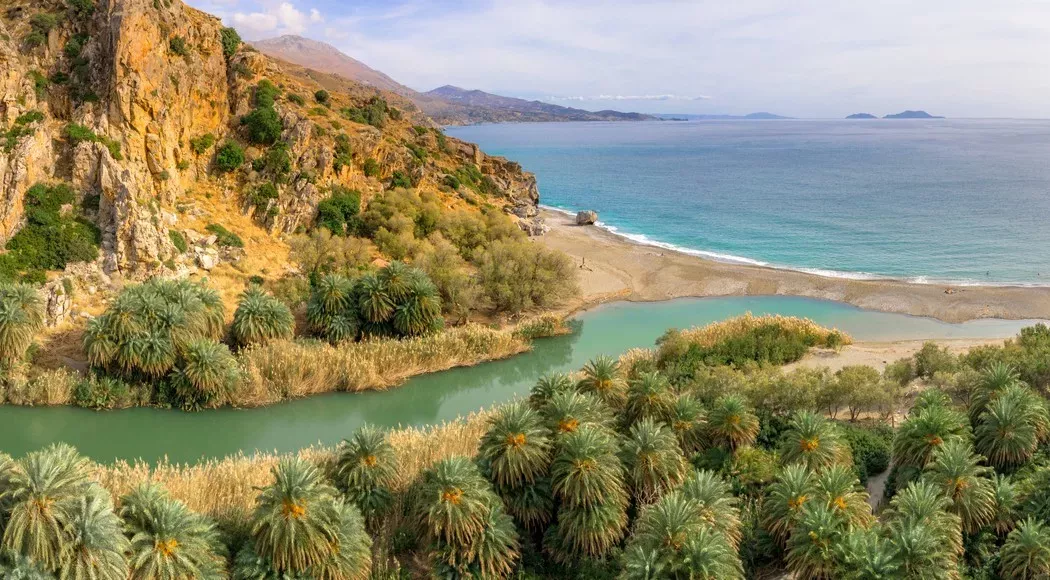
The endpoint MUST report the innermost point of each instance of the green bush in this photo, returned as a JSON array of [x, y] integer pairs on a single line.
[[225, 237], [43, 22], [870, 446], [276, 161], [77, 134], [229, 157], [400, 180], [177, 45], [932, 359], [338, 212], [266, 94], [261, 196], [40, 83], [515, 276], [322, 97], [264, 126], [201, 144], [50, 239], [178, 240], [230, 41], [35, 39], [297, 99], [73, 47], [371, 167], [343, 154], [374, 113], [81, 7]]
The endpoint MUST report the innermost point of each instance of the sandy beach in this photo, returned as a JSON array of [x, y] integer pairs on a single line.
[[614, 268]]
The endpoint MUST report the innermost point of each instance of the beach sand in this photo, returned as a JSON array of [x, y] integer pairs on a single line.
[[614, 268]]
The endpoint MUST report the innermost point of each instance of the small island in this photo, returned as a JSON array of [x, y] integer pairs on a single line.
[[862, 116], [912, 115]]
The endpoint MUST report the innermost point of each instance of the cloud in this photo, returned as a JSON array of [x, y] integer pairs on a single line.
[[274, 19], [631, 98]]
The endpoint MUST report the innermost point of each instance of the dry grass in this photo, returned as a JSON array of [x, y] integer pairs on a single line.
[[285, 369], [49, 388], [226, 488], [718, 331]]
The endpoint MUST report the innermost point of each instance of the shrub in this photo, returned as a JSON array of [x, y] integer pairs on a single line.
[[275, 161], [322, 97], [371, 167], [225, 237], [43, 22], [77, 134], [230, 41], [178, 240], [259, 318], [338, 212], [518, 276], [73, 47], [266, 94], [932, 359], [81, 7], [343, 154], [177, 45], [35, 39], [40, 83], [297, 99], [201, 144], [229, 157], [870, 447], [320, 252], [264, 126], [400, 180], [374, 113], [50, 239], [261, 196]]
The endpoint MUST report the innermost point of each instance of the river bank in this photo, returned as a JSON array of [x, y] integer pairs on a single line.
[[612, 267]]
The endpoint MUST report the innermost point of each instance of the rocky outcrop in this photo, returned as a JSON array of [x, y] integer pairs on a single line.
[[586, 218]]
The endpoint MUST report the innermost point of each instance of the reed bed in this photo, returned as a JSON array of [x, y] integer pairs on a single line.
[[717, 332], [290, 369], [226, 488]]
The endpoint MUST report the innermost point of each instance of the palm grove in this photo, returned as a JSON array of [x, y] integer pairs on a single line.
[[699, 459]]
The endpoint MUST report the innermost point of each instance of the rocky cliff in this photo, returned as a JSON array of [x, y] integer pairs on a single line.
[[130, 100]]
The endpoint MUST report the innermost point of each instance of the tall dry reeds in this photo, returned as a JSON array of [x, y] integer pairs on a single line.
[[716, 332]]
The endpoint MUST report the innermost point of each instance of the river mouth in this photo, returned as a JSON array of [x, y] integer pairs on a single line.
[[153, 434]]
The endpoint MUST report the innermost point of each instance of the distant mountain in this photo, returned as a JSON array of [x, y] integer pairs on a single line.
[[327, 58], [862, 116], [912, 115], [447, 105], [692, 117], [523, 110]]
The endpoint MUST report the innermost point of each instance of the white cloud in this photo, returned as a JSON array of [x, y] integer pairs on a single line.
[[315, 15], [274, 19]]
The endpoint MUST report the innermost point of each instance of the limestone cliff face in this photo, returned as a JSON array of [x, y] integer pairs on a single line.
[[149, 78]]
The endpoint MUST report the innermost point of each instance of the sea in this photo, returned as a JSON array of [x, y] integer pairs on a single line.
[[964, 202]]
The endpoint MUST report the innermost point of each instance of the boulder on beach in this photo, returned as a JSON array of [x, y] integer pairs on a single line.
[[586, 218]]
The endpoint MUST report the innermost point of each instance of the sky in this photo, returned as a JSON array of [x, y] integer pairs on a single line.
[[801, 58]]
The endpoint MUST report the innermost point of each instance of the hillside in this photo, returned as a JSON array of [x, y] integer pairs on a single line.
[[912, 115], [446, 105], [159, 145]]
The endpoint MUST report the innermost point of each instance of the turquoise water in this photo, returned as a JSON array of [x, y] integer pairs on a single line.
[[154, 433], [959, 200]]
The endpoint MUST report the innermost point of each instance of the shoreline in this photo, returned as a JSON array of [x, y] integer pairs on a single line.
[[614, 267]]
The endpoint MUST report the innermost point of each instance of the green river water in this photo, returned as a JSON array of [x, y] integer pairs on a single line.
[[151, 434]]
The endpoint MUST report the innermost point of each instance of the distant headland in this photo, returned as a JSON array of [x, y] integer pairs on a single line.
[[862, 116], [912, 115]]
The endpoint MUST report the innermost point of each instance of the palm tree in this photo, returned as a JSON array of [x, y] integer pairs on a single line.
[[839, 489], [1004, 496], [864, 555], [811, 547], [602, 378], [461, 515], [419, 311], [919, 517], [567, 411], [673, 540], [718, 506], [260, 318], [994, 379], [920, 552], [21, 316], [96, 545], [516, 452], [208, 375], [732, 423], [41, 495], [957, 472], [168, 541], [374, 300], [653, 460], [332, 296], [1011, 427], [1026, 554], [547, 386], [365, 469], [649, 396], [814, 442], [352, 554], [15, 566], [300, 525], [397, 277], [587, 478], [924, 432], [687, 419], [794, 487]]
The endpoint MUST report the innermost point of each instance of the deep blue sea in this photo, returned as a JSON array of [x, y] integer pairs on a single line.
[[966, 201]]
